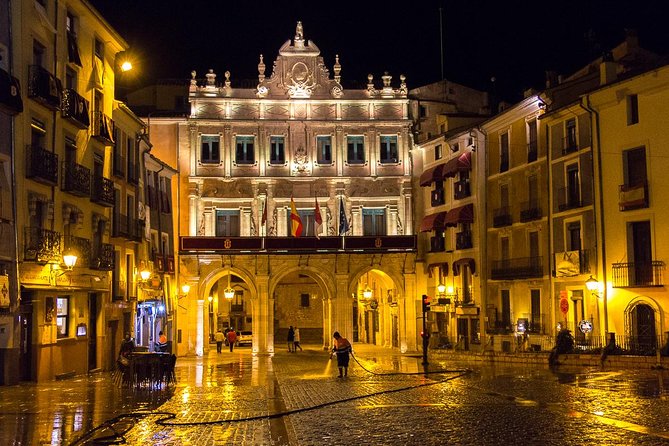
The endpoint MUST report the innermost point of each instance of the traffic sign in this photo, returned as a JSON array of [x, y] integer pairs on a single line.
[[564, 306]]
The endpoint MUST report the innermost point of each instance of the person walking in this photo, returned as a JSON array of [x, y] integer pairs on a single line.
[[161, 345], [291, 339], [219, 337], [342, 348], [296, 339], [232, 338]]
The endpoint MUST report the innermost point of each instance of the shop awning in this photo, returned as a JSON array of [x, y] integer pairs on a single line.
[[467, 261], [460, 164], [463, 214], [433, 221], [432, 174]]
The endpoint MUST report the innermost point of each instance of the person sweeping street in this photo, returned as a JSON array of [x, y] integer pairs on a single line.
[[342, 348]]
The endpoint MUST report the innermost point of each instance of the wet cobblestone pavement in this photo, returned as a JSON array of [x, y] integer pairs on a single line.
[[232, 399]]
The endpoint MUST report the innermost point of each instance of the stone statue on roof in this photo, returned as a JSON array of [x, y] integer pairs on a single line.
[[299, 32]]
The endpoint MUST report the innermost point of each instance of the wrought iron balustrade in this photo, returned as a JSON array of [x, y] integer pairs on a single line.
[[76, 179], [102, 257], [638, 274], [81, 246], [44, 87], [41, 245], [41, 165], [530, 210], [568, 198], [502, 217], [517, 268], [74, 108], [103, 191], [103, 128]]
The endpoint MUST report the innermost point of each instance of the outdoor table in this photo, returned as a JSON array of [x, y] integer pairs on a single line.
[[150, 370]]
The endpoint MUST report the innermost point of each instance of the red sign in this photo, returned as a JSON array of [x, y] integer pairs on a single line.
[[564, 306]]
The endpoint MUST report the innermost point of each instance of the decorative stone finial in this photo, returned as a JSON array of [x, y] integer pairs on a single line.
[[261, 70], [370, 82], [227, 79], [386, 79], [337, 69], [403, 85], [299, 32], [193, 82], [211, 78]]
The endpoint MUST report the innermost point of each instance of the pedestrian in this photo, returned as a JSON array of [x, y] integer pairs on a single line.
[[342, 348], [219, 337], [296, 339], [232, 338], [161, 345], [291, 339], [127, 347]]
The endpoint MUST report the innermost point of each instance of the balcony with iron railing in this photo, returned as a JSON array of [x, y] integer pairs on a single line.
[[44, 87], [502, 217], [463, 240], [76, 179], [517, 268], [133, 173], [530, 210], [103, 191], [119, 164], [74, 108], [572, 263], [102, 257], [569, 144], [437, 197], [81, 246], [568, 198], [103, 128], [41, 165], [41, 245], [461, 189], [633, 196], [638, 274]]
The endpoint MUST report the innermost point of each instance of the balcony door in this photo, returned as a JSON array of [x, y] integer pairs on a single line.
[[227, 223], [634, 166], [639, 251], [573, 186], [644, 339]]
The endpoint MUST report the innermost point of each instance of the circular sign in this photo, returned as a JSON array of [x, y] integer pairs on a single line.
[[585, 326], [564, 306]]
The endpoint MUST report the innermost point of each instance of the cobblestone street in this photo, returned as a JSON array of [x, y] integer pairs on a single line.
[[232, 399]]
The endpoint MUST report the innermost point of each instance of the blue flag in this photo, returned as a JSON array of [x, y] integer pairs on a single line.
[[343, 221]]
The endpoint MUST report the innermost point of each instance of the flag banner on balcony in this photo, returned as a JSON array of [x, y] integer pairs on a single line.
[[343, 222], [318, 219], [295, 220]]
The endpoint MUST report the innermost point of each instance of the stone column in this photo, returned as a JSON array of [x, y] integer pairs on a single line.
[[407, 304], [341, 317], [263, 318]]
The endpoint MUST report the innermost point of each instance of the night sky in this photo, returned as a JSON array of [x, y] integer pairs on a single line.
[[514, 42]]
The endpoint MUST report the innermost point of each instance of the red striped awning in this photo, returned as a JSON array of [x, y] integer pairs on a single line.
[[460, 164], [433, 221], [432, 174], [463, 214]]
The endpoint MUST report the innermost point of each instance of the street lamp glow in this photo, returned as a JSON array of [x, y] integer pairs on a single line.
[[185, 288], [367, 293], [145, 274], [210, 298], [441, 288], [70, 259], [126, 66], [592, 284]]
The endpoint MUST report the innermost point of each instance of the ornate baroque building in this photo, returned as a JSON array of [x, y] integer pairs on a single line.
[[340, 160]]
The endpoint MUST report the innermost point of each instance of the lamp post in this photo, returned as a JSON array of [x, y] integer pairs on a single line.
[[210, 298], [596, 290]]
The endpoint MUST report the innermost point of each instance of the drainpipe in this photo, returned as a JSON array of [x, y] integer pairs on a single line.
[[15, 289], [482, 193], [594, 119], [54, 115]]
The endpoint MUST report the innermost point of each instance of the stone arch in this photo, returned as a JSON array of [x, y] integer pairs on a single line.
[[394, 276], [644, 300], [321, 276], [207, 282]]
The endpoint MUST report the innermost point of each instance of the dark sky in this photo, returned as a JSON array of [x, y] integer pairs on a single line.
[[512, 41]]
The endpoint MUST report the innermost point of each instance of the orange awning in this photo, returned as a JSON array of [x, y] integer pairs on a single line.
[[459, 164], [432, 174], [433, 221], [463, 214]]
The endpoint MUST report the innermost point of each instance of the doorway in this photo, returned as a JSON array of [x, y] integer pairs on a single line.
[[92, 331], [26, 341], [644, 338], [463, 333]]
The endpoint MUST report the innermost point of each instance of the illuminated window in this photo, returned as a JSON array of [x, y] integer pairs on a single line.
[[244, 153], [438, 153], [388, 150], [324, 149], [277, 153], [62, 316], [227, 223], [210, 149], [355, 149]]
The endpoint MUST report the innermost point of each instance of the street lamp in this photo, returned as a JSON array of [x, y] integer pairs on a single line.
[[185, 288], [145, 274], [229, 292], [69, 258], [592, 285]]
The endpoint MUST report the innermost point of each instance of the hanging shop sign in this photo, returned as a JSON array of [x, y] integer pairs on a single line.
[[4, 291]]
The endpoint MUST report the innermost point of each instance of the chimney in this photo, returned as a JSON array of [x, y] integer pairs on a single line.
[[631, 39], [529, 92], [607, 69], [551, 79]]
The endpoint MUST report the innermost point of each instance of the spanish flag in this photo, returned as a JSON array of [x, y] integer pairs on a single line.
[[295, 220]]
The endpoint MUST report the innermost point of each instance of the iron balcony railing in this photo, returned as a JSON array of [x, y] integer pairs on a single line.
[[638, 274], [502, 217], [74, 108], [461, 189], [463, 240], [635, 345], [103, 128], [119, 164], [102, 257], [568, 198], [41, 165], [633, 197], [530, 210], [44, 87], [133, 172], [518, 268], [41, 245], [81, 246], [76, 179], [437, 197], [103, 191]]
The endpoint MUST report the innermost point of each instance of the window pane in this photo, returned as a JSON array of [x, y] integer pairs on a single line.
[[355, 150], [388, 150], [210, 149], [277, 154], [324, 149], [227, 223], [245, 154], [374, 221], [62, 311]]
